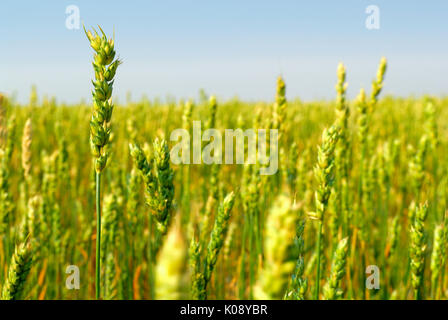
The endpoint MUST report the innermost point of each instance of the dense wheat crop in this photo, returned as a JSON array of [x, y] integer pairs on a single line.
[[356, 209]]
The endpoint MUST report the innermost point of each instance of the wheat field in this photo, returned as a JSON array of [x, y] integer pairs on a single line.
[[356, 209]]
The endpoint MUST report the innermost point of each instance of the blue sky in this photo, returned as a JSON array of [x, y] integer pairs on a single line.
[[226, 47]]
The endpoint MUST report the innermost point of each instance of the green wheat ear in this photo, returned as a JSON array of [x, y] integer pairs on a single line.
[[197, 282], [377, 84], [418, 248], [219, 233], [279, 112], [26, 150], [105, 68], [438, 256], [324, 171], [18, 272], [332, 290]]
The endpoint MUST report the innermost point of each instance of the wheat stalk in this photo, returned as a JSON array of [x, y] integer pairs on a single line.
[[105, 68]]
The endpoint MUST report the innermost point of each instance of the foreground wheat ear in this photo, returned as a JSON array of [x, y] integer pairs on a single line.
[[280, 261], [105, 68], [18, 272]]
